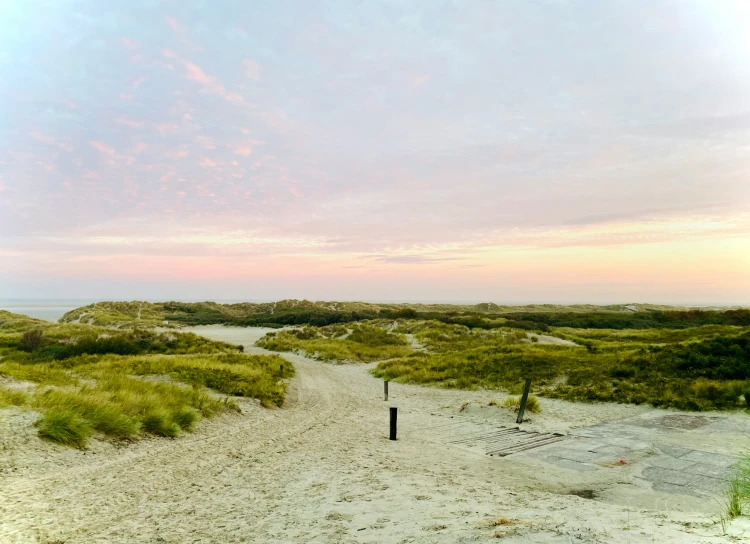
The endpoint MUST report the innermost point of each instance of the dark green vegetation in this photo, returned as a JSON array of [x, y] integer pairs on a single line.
[[666, 356], [698, 373], [124, 383], [696, 368], [484, 315]]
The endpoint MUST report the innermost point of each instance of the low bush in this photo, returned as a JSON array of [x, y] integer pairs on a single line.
[[65, 427]]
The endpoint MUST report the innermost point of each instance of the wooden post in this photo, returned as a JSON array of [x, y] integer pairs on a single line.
[[281, 371], [524, 398], [385, 389], [394, 418]]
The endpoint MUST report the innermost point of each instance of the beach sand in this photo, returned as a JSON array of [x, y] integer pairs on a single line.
[[321, 469]]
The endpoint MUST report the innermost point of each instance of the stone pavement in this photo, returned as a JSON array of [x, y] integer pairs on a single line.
[[642, 441]]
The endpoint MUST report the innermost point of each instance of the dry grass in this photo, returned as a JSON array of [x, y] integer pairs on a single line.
[[532, 404]]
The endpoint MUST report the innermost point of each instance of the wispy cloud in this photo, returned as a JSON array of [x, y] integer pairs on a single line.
[[364, 144]]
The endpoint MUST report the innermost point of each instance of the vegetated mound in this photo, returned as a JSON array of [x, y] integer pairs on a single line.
[[359, 342], [485, 315], [696, 369], [87, 379]]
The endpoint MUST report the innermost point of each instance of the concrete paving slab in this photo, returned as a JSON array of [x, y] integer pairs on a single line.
[[678, 489], [629, 443], [672, 463], [580, 456], [614, 451], [709, 458], [673, 451], [665, 475], [712, 471], [584, 445], [571, 465], [713, 485]]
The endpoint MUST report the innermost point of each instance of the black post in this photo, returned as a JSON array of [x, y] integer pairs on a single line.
[[524, 398], [385, 389], [394, 417], [281, 371]]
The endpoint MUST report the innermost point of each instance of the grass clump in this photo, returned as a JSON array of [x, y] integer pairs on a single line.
[[124, 384], [12, 397], [532, 404], [161, 424], [65, 427], [362, 343]]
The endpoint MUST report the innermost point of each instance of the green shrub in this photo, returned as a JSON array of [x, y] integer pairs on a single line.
[[160, 424], [32, 340], [185, 418], [65, 427]]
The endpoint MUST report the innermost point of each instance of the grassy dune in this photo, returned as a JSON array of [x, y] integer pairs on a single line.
[[321, 313], [124, 384], [358, 343], [695, 368]]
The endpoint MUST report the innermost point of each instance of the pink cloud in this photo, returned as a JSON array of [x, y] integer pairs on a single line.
[[419, 80], [177, 154], [102, 148], [181, 31], [124, 97], [294, 192], [128, 43], [128, 122], [175, 25], [252, 69], [210, 83], [137, 82], [165, 128], [206, 162], [139, 147], [206, 142], [50, 140], [245, 151], [168, 53]]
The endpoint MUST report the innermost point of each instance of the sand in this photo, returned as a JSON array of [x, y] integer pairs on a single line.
[[321, 469]]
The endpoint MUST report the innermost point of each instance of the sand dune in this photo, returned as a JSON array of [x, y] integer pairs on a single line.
[[322, 470]]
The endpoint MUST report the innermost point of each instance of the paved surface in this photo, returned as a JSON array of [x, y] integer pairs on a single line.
[[670, 468]]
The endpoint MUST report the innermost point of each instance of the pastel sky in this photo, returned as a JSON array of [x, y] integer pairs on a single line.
[[514, 151]]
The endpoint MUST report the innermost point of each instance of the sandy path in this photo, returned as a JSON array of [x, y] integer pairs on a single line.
[[322, 470]]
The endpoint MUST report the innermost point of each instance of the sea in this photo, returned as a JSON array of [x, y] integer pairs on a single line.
[[49, 310]]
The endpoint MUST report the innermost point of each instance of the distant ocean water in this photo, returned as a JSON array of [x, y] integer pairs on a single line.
[[49, 310]]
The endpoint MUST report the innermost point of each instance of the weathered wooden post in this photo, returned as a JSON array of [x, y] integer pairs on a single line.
[[524, 398], [394, 418], [385, 389]]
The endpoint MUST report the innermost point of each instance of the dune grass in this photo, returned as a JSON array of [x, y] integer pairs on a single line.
[[360, 343], [532, 404], [126, 384], [709, 369]]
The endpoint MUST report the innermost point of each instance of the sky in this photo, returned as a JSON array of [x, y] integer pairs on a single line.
[[468, 150]]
